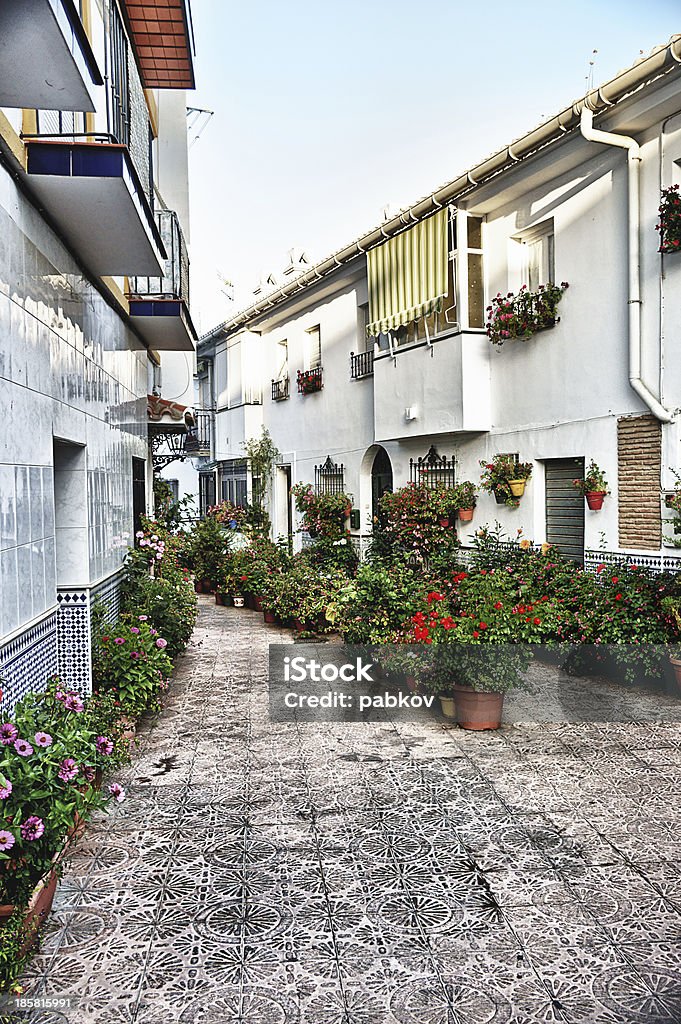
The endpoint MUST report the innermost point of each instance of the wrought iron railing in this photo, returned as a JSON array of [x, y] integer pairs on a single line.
[[329, 478], [280, 389], [197, 441], [310, 381], [361, 364], [175, 281]]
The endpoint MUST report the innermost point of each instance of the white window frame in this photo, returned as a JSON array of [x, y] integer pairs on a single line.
[[535, 251]]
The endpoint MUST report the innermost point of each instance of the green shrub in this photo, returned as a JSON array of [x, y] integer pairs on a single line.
[[131, 660]]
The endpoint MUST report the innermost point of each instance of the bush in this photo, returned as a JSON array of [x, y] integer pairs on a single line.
[[131, 660], [373, 605], [410, 520]]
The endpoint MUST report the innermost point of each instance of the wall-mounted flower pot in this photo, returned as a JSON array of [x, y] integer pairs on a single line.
[[448, 705], [594, 499], [465, 515], [500, 497], [517, 488], [475, 710]]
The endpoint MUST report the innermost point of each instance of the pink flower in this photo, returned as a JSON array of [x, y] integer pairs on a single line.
[[142, 618], [104, 744], [74, 703], [68, 770], [32, 828], [43, 739], [161, 642], [7, 840], [117, 792], [119, 640], [23, 748], [8, 733], [134, 629], [5, 788]]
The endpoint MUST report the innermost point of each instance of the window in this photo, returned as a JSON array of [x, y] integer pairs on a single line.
[[233, 474], [282, 360], [537, 256], [329, 477], [364, 343], [313, 349], [174, 486]]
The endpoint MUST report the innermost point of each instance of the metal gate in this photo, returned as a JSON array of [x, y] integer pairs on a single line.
[[565, 507]]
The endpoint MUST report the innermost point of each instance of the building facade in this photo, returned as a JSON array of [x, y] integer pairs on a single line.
[[379, 357], [93, 299]]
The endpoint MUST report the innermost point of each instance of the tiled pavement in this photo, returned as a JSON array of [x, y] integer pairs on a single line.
[[384, 873]]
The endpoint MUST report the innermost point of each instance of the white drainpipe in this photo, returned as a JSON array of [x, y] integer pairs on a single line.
[[633, 166]]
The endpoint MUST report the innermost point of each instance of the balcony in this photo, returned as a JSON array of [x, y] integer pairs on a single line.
[[361, 365], [39, 34], [280, 389], [197, 442], [160, 37], [426, 391], [94, 195], [310, 381], [159, 306]]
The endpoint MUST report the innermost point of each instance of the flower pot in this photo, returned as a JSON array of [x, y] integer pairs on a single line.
[[219, 598], [257, 603], [299, 625], [475, 710], [448, 705], [269, 617], [198, 586], [465, 515], [207, 587], [594, 499], [239, 601], [37, 911], [500, 497], [411, 683], [517, 488], [443, 521]]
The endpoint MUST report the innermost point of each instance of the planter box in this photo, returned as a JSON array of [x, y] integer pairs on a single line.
[[37, 911]]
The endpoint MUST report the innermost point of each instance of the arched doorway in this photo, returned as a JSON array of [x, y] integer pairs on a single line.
[[381, 478]]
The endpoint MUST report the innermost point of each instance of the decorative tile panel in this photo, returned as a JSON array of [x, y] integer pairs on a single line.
[[28, 660], [73, 639]]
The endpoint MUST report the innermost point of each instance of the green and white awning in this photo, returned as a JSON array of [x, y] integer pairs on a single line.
[[408, 275]]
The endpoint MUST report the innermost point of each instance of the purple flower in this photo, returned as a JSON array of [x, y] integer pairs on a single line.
[[88, 773], [7, 840], [8, 733], [5, 787], [104, 744], [32, 828], [161, 642], [74, 703], [119, 640], [60, 695], [142, 618], [117, 792], [68, 769], [134, 654], [23, 748], [43, 739], [153, 632], [134, 629]]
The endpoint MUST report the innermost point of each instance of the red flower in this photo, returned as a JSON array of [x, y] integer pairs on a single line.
[[482, 625], [475, 634], [434, 596], [421, 633], [537, 622], [618, 597], [615, 579], [498, 605]]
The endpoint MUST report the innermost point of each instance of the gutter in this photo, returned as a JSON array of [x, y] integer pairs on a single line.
[[634, 231], [662, 60]]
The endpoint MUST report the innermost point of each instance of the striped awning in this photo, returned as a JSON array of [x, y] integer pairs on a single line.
[[408, 275]]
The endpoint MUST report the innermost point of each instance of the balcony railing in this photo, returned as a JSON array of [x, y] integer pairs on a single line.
[[280, 389], [175, 281], [361, 364], [310, 381], [197, 441]]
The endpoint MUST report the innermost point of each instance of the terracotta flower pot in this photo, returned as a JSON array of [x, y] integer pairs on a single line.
[[299, 625], [475, 710], [257, 603], [465, 514], [448, 705], [269, 617], [411, 683], [517, 488], [37, 911], [443, 521], [198, 586], [594, 499]]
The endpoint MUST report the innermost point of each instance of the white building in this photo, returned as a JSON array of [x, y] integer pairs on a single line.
[[563, 203], [93, 297]]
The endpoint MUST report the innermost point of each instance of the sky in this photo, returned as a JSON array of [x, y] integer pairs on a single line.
[[326, 113]]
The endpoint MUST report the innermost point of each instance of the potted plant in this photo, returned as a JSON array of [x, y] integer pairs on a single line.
[[594, 486], [466, 500], [670, 220], [505, 479], [522, 315]]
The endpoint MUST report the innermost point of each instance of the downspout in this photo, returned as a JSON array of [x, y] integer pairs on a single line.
[[634, 301]]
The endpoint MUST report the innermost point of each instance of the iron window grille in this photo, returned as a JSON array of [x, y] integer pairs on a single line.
[[433, 470], [280, 389], [329, 478], [310, 381]]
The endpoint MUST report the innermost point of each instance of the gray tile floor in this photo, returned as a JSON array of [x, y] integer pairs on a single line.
[[385, 873]]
